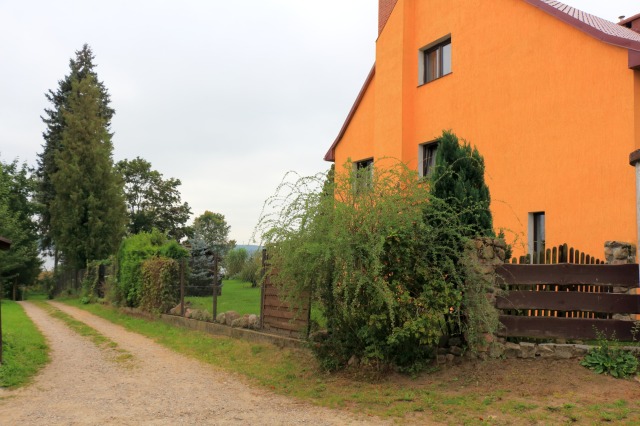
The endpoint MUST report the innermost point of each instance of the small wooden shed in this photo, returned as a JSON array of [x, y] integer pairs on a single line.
[[4, 244]]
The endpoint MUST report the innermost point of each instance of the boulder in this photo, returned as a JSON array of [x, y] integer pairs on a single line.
[[527, 350], [230, 317], [241, 322]]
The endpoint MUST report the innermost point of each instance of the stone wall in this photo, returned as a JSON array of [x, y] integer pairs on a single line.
[[619, 253]]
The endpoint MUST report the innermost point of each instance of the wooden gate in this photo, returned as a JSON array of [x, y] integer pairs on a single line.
[[279, 316], [568, 301]]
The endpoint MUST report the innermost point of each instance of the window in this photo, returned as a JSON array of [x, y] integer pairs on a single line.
[[364, 173], [537, 233], [364, 164], [435, 61], [427, 158]]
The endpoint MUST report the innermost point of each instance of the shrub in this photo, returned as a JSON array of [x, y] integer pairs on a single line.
[[160, 290], [606, 358], [133, 251], [252, 269], [379, 252], [235, 261]]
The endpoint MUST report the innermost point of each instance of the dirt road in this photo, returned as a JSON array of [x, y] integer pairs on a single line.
[[84, 386]]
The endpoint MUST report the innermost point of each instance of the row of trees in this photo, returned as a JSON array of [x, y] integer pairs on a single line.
[[77, 204], [17, 223]]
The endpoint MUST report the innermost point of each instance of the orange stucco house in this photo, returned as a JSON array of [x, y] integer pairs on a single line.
[[550, 96]]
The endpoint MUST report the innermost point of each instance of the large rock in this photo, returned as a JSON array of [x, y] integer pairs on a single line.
[[496, 350], [254, 321], [511, 350], [527, 350], [230, 317], [242, 322]]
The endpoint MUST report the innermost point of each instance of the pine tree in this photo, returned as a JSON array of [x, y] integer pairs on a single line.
[[458, 179], [87, 211], [80, 67]]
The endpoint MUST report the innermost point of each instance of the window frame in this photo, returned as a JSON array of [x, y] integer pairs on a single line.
[[436, 47], [367, 164], [427, 151]]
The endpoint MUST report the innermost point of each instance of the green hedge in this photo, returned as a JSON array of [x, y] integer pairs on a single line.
[[133, 251]]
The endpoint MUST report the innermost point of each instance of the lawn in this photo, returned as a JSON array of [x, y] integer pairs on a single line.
[[236, 296], [492, 392], [25, 350]]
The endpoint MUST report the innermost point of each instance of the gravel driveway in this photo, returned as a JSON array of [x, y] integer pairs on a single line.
[[83, 385]]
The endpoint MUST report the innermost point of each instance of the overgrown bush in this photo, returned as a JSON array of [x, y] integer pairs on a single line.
[[160, 290], [133, 251], [379, 252], [91, 286]]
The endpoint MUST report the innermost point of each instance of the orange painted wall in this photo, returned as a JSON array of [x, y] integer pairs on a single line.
[[360, 131], [554, 112]]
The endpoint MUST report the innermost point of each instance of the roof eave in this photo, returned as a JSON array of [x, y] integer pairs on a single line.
[[331, 154], [4, 244]]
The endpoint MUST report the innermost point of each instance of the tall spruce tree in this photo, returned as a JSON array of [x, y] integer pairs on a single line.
[[81, 67], [87, 211], [458, 179]]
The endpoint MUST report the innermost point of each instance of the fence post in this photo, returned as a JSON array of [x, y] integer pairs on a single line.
[[182, 286], [264, 279], [215, 286], [483, 256]]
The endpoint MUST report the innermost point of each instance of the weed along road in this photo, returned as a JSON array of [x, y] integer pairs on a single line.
[[131, 380]]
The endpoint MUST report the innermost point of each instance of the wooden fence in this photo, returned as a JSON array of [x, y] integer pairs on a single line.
[[279, 316], [561, 254], [570, 301]]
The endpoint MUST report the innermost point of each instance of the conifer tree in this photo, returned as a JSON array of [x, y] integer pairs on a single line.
[[458, 179], [80, 67], [87, 212]]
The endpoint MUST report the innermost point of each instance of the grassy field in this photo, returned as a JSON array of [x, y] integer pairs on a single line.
[[236, 296], [25, 349], [483, 393]]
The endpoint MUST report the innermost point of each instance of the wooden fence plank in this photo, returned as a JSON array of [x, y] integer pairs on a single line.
[[568, 328], [274, 324], [571, 301], [286, 314], [568, 274]]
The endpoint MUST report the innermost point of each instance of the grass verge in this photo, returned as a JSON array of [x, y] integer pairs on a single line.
[[25, 349], [448, 399]]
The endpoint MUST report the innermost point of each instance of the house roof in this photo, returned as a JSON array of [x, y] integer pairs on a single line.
[[603, 30], [4, 244], [630, 19]]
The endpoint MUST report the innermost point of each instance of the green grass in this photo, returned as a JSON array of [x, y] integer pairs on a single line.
[[236, 296], [296, 373], [25, 349]]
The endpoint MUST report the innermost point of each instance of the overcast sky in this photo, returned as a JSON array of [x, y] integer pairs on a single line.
[[226, 96]]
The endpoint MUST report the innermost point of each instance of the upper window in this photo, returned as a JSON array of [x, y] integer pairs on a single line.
[[427, 158], [435, 61]]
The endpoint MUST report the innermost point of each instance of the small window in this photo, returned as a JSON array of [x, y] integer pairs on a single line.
[[435, 61], [427, 158], [364, 173], [537, 234]]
